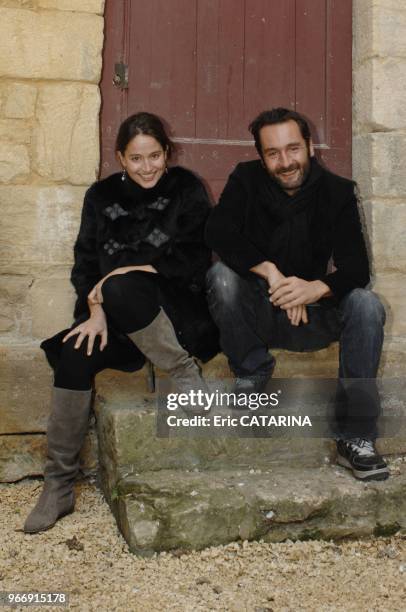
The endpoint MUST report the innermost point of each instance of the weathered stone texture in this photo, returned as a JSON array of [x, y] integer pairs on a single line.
[[50, 45], [14, 162], [25, 383], [388, 163], [378, 159], [39, 224], [362, 161], [387, 234], [66, 145], [15, 131], [20, 101], [52, 306], [13, 307], [159, 510], [86, 6], [374, 81], [379, 29], [392, 290], [25, 455]]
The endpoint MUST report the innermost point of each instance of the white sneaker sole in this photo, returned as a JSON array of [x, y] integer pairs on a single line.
[[373, 474]]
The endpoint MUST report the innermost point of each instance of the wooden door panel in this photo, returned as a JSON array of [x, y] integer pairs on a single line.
[[311, 63], [208, 67], [269, 57], [220, 75], [162, 59]]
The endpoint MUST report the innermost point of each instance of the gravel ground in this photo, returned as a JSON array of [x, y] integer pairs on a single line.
[[85, 556]]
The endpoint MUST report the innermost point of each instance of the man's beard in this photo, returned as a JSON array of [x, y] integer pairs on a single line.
[[304, 170]]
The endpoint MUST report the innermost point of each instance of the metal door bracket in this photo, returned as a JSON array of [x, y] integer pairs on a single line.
[[120, 78]]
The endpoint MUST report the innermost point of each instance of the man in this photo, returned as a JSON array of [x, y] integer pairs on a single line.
[[280, 222]]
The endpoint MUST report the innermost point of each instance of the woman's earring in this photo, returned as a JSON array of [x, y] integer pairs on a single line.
[[123, 175], [166, 169]]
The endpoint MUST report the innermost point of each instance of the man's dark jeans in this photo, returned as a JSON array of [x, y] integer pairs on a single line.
[[249, 325]]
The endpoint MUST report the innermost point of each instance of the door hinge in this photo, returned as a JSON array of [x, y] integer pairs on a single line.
[[120, 78]]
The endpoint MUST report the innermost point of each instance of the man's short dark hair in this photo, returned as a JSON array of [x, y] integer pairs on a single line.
[[277, 115]]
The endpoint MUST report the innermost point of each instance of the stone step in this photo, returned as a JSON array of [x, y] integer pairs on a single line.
[[26, 379], [25, 383], [168, 509], [193, 492], [128, 443]]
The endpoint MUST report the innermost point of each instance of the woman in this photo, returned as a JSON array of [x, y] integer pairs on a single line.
[[139, 270]]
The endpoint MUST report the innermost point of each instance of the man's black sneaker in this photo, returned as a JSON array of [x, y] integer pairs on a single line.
[[360, 455]]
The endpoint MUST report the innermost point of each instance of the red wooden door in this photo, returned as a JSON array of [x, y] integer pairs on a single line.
[[208, 67]]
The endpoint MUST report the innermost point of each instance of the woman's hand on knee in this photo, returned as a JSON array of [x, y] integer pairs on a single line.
[[96, 325]]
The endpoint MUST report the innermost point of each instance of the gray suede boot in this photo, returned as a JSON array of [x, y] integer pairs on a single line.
[[158, 342], [67, 428]]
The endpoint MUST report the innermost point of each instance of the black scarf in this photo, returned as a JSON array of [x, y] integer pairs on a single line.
[[290, 243]]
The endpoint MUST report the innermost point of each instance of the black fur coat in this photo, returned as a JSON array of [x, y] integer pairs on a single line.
[[124, 224]]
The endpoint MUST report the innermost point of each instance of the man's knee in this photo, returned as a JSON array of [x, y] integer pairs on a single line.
[[222, 283], [366, 304]]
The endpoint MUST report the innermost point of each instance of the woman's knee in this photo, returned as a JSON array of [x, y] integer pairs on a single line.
[[75, 369], [114, 289], [119, 289]]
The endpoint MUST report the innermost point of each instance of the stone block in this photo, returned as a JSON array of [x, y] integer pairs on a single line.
[[379, 29], [378, 166], [374, 81], [52, 302], [23, 456], [21, 4], [387, 169], [362, 24], [362, 101], [393, 361], [39, 225], [20, 101], [129, 442], [85, 6], [15, 131], [14, 162], [362, 163], [25, 383], [168, 510], [387, 233], [47, 45], [66, 136], [392, 291], [389, 28], [13, 304]]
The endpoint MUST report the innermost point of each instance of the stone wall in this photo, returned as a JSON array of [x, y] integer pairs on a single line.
[[379, 156], [50, 67]]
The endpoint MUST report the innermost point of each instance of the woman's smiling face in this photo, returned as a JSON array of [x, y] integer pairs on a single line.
[[144, 160]]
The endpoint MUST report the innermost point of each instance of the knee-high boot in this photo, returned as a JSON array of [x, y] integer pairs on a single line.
[[67, 428], [158, 342]]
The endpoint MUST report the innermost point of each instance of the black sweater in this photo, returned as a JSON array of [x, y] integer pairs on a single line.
[[256, 221], [124, 224]]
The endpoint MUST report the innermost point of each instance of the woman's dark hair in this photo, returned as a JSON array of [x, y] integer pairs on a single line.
[[143, 123], [277, 115]]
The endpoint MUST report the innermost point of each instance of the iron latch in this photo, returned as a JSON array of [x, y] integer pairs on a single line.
[[120, 78]]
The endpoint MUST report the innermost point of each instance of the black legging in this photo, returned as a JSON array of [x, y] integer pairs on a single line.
[[131, 301]]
